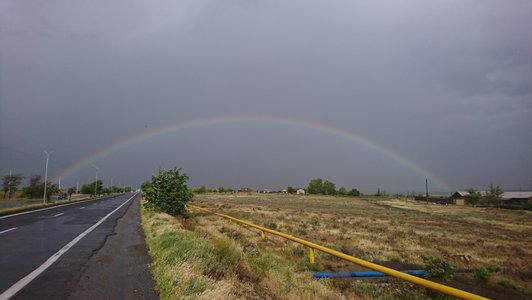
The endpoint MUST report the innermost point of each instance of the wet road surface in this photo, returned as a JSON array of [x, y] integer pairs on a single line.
[[87, 250]]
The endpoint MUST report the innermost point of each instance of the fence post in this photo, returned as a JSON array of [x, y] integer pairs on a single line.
[[262, 234], [311, 255]]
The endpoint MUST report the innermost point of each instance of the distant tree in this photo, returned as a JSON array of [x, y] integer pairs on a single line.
[[71, 191], [315, 186], [168, 192], [201, 190], [51, 188], [493, 196], [36, 187], [86, 189], [342, 191], [224, 190], [291, 190], [11, 183], [93, 188], [354, 193], [473, 197], [329, 188]]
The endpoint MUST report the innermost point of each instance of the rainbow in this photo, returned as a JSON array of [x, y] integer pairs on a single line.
[[182, 125]]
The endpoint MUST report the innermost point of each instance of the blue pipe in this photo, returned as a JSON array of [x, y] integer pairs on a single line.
[[363, 274]]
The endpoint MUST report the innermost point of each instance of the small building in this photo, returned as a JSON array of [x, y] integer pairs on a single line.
[[284, 191], [516, 198], [458, 198], [245, 190], [300, 192], [521, 198]]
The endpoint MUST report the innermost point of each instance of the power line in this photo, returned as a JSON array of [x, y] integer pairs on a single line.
[[32, 155]]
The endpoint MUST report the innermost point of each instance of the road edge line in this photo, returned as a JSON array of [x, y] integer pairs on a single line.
[[19, 285]]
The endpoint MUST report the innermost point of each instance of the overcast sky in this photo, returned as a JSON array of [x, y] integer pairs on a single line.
[[444, 84]]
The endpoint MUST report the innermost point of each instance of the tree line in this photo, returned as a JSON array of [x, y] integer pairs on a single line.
[[35, 189], [491, 197], [318, 186]]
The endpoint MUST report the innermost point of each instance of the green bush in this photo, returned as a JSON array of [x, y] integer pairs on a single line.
[[482, 275], [168, 192], [438, 269]]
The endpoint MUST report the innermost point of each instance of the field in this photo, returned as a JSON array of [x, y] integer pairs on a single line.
[[234, 262]]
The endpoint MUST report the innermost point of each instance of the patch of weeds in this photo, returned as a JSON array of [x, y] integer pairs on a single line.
[[438, 269], [226, 259], [271, 225], [507, 283], [301, 231], [189, 224], [392, 291], [177, 246], [195, 287], [261, 262], [153, 231], [396, 259], [243, 274], [316, 266], [288, 281], [482, 275]]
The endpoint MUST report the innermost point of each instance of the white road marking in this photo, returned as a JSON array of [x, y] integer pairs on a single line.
[[58, 215], [82, 207], [15, 288], [8, 230]]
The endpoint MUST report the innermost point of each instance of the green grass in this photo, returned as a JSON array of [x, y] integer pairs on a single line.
[[185, 264], [13, 210]]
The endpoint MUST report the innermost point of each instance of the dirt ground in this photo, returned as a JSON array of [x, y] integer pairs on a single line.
[[395, 233]]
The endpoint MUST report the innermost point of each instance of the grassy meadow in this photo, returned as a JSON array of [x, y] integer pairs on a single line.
[[207, 257]]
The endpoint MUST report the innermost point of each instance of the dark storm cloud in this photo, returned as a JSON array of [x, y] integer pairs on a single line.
[[446, 83]]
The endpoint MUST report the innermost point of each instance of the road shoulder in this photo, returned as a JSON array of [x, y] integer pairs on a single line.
[[119, 270]]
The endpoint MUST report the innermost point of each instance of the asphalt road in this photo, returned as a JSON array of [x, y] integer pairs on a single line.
[[57, 253]]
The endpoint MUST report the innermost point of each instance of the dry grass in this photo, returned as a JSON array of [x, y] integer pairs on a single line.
[[390, 231], [208, 258], [32, 206]]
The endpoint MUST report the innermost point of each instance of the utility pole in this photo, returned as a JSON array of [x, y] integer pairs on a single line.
[[9, 188], [96, 181], [427, 189], [77, 187], [59, 182], [46, 174]]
